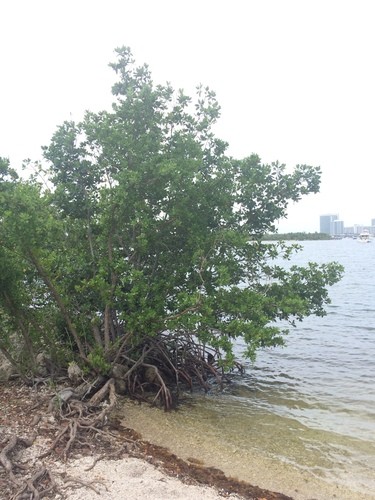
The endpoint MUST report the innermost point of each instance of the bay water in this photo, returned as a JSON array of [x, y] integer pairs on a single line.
[[302, 418]]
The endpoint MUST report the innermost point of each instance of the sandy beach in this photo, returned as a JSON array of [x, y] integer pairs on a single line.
[[133, 478], [151, 456], [130, 467]]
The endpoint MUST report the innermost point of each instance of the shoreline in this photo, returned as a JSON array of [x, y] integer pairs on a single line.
[[181, 435], [140, 474], [152, 458], [137, 467]]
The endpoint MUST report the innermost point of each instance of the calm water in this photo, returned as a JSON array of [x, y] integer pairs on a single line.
[[308, 409], [325, 377], [322, 385]]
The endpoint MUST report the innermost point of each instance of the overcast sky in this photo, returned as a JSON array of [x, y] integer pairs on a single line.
[[295, 79]]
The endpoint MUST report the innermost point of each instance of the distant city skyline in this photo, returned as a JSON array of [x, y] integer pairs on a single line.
[[331, 224]]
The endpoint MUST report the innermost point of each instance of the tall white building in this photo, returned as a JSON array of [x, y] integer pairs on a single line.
[[327, 224]]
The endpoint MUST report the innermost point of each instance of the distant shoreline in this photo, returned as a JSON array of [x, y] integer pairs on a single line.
[[299, 236]]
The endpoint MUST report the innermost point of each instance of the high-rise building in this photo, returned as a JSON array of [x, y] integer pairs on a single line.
[[326, 223], [338, 227]]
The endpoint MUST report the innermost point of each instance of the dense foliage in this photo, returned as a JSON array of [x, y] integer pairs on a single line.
[[147, 229]]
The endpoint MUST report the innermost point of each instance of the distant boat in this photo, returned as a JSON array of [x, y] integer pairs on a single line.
[[364, 237]]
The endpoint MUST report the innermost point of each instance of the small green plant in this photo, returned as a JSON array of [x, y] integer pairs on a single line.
[[98, 362]]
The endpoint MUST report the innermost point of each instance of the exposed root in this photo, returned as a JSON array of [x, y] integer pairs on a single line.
[[5, 461], [80, 418], [78, 423], [83, 484], [129, 446], [38, 486], [154, 371]]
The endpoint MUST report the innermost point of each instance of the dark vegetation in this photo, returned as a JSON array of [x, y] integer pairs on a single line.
[[299, 236], [133, 258]]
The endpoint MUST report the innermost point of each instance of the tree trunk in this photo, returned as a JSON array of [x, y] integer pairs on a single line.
[[48, 282], [13, 362], [107, 328], [19, 317]]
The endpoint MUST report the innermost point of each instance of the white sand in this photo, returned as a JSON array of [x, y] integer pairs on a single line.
[[131, 478]]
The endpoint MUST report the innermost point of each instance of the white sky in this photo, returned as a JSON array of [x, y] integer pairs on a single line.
[[295, 79]]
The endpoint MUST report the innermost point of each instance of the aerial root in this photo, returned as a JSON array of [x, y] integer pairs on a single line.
[[157, 369]]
